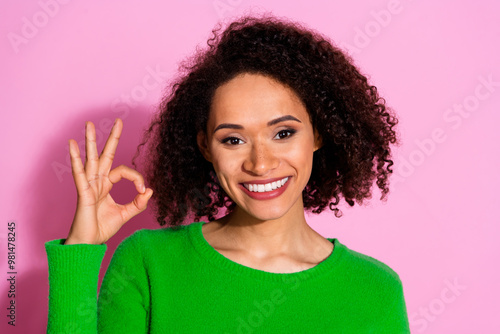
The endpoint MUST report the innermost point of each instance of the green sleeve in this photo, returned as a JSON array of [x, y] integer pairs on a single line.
[[73, 277], [396, 320], [74, 307]]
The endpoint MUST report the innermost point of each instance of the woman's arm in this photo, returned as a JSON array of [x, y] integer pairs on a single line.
[[74, 307], [73, 276], [74, 262], [396, 320]]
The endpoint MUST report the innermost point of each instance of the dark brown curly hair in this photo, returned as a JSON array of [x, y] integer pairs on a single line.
[[354, 123]]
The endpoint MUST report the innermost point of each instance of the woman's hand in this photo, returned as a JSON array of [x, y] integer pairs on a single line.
[[98, 217]]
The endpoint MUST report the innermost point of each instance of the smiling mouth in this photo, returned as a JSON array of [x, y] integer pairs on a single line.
[[261, 188]]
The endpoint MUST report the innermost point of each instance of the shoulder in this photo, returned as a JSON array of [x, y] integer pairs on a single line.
[[154, 238], [368, 268]]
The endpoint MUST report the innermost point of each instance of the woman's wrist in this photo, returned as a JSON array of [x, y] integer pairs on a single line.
[[72, 241]]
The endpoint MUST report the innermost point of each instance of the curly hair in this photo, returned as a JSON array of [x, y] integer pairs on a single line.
[[354, 123]]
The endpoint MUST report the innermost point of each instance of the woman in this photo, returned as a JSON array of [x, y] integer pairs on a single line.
[[270, 121]]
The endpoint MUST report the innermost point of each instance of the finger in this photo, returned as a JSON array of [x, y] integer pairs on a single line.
[[139, 204], [92, 157], [77, 167], [124, 172], [108, 153]]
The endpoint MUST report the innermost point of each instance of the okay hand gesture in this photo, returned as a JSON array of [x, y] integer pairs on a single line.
[[98, 217]]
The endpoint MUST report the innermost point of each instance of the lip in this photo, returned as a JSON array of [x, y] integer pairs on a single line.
[[268, 194]]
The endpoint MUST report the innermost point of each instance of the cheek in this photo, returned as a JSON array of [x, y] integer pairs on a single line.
[[300, 154], [225, 163]]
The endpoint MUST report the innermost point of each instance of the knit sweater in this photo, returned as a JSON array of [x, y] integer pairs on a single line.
[[171, 280]]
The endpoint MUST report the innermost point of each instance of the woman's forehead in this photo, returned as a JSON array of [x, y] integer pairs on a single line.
[[255, 97]]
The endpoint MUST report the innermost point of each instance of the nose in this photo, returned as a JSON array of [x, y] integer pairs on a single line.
[[261, 159]]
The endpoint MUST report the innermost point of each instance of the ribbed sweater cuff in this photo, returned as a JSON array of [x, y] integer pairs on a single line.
[[73, 278]]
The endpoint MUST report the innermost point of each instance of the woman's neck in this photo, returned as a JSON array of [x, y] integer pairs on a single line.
[[289, 235]]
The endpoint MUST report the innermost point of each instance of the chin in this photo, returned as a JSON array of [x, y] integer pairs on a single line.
[[265, 212]]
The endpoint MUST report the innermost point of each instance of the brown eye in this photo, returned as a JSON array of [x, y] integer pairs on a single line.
[[231, 141], [283, 134]]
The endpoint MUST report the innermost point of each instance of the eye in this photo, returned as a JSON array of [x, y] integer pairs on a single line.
[[231, 141], [283, 134]]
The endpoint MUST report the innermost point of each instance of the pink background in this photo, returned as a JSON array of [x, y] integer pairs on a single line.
[[66, 62]]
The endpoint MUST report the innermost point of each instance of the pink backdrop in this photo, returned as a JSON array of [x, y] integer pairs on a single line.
[[65, 62]]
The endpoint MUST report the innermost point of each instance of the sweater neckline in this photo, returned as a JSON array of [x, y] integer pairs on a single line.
[[206, 250]]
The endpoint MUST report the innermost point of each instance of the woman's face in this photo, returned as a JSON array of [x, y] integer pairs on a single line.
[[261, 142]]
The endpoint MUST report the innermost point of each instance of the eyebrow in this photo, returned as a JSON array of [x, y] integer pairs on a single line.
[[270, 123]]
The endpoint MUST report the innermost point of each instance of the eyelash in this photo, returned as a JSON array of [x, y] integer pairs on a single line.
[[291, 132]]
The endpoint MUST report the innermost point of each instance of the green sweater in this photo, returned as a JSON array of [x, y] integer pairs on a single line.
[[171, 280]]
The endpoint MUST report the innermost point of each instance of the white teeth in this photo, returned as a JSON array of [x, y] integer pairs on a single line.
[[265, 187]]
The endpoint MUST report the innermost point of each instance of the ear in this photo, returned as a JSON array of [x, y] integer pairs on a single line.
[[202, 141], [318, 141]]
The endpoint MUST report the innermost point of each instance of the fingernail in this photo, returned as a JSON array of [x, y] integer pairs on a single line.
[[143, 188]]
